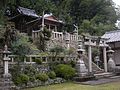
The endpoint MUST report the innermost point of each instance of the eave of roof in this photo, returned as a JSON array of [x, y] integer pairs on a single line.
[[113, 36], [27, 11]]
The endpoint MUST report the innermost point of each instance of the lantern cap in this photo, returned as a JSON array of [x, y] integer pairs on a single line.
[[110, 50], [80, 50]]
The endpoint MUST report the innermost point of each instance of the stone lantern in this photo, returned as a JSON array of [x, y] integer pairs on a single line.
[[97, 60], [5, 62], [6, 82], [80, 65], [111, 63]]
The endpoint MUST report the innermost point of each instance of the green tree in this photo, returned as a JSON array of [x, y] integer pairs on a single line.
[[41, 41], [97, 12], [21, 46], [57, 50], [2, 30]]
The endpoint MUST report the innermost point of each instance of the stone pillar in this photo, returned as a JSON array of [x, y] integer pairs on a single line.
[[12, 59], [25, 60], [105, 59], [6, 62], [37, 34], [90, 56], [6, 59], [62, 36], [55, 28], [30, 59], [67, 43], [49, 27], [33, 35]]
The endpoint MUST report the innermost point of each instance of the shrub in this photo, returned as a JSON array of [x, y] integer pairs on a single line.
[[52, 75], [38, 61], [22, 78], [64, 71], [29, 70], [42, 76], [17, 80], [32, 79]]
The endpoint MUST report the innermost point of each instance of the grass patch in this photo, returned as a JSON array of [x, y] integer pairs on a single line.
[[73, 86]]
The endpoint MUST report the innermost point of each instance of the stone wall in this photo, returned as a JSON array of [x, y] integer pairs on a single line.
[[38, 83], [63, 39], [41, 69]]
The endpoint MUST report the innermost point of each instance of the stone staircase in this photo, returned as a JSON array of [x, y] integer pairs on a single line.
[[96, 69], [104, 75]]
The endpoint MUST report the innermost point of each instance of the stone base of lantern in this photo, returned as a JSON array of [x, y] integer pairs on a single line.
[[82, 72], [7, 76], [6, 83], [81, 68]]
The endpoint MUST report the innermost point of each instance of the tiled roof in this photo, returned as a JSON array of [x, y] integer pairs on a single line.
[[27, 12], [48, 17], [113, 36]]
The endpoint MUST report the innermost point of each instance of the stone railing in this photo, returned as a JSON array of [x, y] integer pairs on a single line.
[[30, 59], [57, 35]]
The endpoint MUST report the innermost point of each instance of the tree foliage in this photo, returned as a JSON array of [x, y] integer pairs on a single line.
[[44, 36], [21, 46], [57, 50], [97, 12]]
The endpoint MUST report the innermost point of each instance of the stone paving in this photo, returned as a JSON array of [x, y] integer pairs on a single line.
[[102, 80]]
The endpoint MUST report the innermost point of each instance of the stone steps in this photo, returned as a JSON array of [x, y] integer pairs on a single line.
[[104, 75], [95, 68]]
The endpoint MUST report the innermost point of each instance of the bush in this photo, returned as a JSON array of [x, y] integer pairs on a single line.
[[32, 79], [52, 75], [64, 71], [22, 78], [38, 61], [42, 76], [17, 80], [29, 70]]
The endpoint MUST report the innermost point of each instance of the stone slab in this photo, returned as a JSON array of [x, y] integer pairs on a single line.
[[102, 81]]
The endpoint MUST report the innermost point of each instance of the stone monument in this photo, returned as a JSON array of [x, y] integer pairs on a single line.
[[111, 63], [80, 65], [6, 81]]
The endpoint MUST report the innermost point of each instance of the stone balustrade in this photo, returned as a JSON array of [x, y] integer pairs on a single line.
[[30, 59], [57, 35]]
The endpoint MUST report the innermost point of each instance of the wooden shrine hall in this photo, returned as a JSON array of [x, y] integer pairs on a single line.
[[27, 21]]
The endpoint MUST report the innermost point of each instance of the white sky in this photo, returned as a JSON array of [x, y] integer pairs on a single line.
[[117, 2]]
